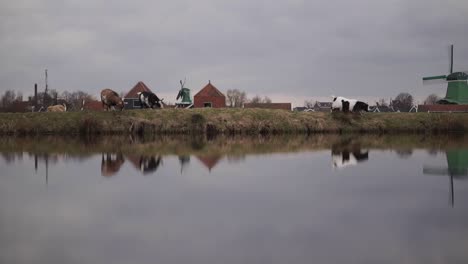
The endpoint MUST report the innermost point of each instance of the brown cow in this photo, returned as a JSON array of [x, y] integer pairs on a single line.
[[110, 99], [57, 108]]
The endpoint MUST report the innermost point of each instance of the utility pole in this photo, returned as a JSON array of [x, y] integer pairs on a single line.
[[45, 92]]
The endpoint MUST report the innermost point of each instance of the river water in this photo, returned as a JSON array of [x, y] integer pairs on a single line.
[[316, 199]]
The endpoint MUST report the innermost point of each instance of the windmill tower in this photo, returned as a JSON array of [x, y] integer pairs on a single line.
[[457, 87]]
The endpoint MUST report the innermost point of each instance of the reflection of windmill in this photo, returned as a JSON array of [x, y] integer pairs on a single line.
[[184, 160], [457, 161], [457, 88], [46, 159]]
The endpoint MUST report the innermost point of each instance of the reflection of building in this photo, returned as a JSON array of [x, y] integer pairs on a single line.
[[111, 163], [146, 164], [209, 161], [457, 161]]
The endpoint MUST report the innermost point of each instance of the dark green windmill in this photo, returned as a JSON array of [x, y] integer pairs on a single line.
[[457, 88], [184, 95]]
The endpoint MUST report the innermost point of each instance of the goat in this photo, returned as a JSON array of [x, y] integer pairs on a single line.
[[57, 108]]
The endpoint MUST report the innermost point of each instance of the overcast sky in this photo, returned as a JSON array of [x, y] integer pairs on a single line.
[[288, 50]]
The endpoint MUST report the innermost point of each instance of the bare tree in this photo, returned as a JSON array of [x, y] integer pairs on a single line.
[[256, 99], [236, 98], [12, 102], [8, 98], [242, 99], [308, 104], [382, 102], [75, 99], [403, 102], [431, 99]]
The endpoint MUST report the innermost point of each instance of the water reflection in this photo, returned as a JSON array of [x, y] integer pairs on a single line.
[[184, 160], [146, 164], [253, 199], [348, 152], [457, 168], [111, 163], [146, 154]]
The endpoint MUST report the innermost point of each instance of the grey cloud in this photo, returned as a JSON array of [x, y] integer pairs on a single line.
[[300, 48]]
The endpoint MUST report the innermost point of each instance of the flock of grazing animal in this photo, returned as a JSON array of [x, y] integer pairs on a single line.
[[111, 100]]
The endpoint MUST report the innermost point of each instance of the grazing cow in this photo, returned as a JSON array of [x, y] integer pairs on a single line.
[[348, 105], [57, 108], [110, 99], [149, 100]]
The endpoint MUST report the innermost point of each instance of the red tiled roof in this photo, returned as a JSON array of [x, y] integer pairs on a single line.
[[139, 87], [210, 91], [209, 161]]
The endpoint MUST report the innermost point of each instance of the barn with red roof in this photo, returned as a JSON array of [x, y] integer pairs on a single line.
[[131, 100], [209, 96]]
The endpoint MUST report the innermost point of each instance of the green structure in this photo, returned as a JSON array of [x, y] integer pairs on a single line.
[[457, 88], [457, 161], [184, 94]]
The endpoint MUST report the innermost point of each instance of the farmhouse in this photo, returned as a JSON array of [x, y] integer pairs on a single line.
[[209, 96], [131, 100], [322, 106]]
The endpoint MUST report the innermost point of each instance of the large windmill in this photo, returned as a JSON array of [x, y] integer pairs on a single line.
[[457, 88]]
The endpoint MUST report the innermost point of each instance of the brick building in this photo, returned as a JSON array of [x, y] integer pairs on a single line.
[[209, 96], [131, 100], [283, 106]]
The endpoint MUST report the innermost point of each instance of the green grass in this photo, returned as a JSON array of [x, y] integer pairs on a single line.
[[227, 121]]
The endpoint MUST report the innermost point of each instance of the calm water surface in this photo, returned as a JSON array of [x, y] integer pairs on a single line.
[[318, 199]]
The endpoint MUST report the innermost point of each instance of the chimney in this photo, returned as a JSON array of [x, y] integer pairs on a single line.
[[35, 95]]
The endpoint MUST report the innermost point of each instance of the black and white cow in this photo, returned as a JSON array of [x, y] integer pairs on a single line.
[[348, 105], [149, 100]]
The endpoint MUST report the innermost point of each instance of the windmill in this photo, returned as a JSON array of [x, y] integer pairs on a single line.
[[457, 87], [184, 95]]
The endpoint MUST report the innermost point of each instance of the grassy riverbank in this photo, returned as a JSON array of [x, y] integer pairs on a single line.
[[226, 121]]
